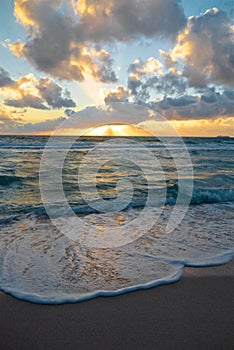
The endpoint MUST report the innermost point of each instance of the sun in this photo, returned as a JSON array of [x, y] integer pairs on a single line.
[[118, 130]]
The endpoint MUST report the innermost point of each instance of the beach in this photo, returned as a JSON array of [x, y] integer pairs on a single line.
[[116, 175], [193, 313]]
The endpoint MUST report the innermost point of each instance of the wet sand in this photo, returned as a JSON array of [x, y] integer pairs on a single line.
[[195, 313]]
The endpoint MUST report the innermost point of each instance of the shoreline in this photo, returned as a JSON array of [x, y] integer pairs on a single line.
[[194, 313]]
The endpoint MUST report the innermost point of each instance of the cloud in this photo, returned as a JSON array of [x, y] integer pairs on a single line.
[[89, 117], [7, 121], [171, 83], [122, 20], [52, 94], [72, 39], [209, 104], [147, 78], [202, 55], [133, 85], [185, 108], [67, 43], [27, 91], [55, 44], [119, 95], [179, 102], [69, 112], [141, 68], [169, 61], [101, 68], [5, 79], [143, 75], [45, 126], [77, 63], [206, 47], [26, 100], [168, 94]]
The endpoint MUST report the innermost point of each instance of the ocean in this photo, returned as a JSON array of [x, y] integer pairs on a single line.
[[104, 216]]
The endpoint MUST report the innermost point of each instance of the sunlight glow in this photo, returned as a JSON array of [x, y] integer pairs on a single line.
[[118, 130]]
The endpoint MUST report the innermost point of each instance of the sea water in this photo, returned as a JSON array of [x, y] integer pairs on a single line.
[[39, 263]]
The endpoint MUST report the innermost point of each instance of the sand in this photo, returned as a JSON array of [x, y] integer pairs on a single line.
[[194, 313]]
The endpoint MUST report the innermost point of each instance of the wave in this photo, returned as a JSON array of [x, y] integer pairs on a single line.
[[200, 196], [89, 142], [213, 195], [52, 299], [7, 180], [69, 298], [43, 266], [203, 195]]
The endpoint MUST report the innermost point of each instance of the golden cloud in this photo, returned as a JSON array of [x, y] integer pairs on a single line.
[[205, 46], [42, 93]]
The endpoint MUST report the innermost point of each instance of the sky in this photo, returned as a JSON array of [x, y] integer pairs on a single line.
[[68, 63]]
